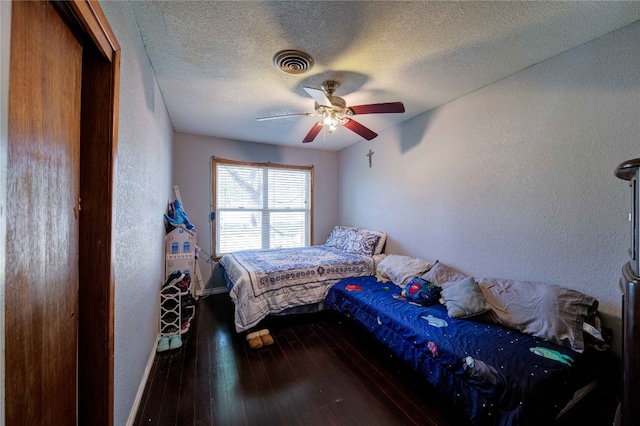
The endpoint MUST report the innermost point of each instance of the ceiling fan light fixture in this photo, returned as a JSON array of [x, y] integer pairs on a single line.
[[293, 61], [331, 120]]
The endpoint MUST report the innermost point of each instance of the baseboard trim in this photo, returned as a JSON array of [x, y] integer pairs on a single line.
[[143, 384]]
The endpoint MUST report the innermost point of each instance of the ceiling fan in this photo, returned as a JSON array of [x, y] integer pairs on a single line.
[[334, 112]]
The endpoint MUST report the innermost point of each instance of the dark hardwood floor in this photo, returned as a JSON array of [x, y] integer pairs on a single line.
[[321, 370]]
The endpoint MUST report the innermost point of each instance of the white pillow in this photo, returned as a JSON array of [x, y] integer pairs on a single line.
[[400, 269]]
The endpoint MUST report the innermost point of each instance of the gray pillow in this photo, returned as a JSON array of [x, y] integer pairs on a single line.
[[548, 311], [463, 299], [442, 274]]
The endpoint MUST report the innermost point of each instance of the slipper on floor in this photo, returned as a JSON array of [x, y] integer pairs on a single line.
[[264, 336], [163, 344], [256, 340], [258, 333], [266, 339], [175, 342]]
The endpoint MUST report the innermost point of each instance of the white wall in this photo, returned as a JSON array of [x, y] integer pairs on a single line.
[[142, 190], [192, 173], [516, 179]]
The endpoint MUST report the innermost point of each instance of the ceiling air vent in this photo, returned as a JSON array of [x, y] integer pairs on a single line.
[[293, 61]]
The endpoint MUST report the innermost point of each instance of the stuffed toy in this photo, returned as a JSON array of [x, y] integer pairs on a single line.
[[421, 291], [482, 371], [177, 216]]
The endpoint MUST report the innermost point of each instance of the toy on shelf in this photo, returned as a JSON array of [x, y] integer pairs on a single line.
[[177, 216]]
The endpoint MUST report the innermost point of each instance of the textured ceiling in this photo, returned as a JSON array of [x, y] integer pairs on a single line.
[[214, 59]]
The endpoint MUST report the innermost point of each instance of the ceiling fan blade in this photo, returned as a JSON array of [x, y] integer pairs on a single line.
[[313, 132], [318, 96], [385, 108], [358, 128], [275, 117]]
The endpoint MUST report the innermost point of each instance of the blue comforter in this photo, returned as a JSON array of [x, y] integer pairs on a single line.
[[498, 375]]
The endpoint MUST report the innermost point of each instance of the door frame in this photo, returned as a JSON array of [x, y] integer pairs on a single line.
[[98, 148], [5, 43]]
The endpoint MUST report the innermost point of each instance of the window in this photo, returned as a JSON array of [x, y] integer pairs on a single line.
[[261, 205]]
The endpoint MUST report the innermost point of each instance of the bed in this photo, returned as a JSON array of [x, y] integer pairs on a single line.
[[293, 280], [496, 374]]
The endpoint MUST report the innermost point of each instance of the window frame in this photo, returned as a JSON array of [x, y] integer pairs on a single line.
[[215, 161]]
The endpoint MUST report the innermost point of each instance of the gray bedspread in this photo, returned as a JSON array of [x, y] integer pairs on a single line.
[[263, 282]]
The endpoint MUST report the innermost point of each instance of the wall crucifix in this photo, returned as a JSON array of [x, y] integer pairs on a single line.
[[370, 154]]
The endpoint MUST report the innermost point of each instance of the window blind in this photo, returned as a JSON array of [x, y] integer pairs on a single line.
[[261, 206]]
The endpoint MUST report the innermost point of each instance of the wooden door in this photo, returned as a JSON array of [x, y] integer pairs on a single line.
[[43, 187]]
